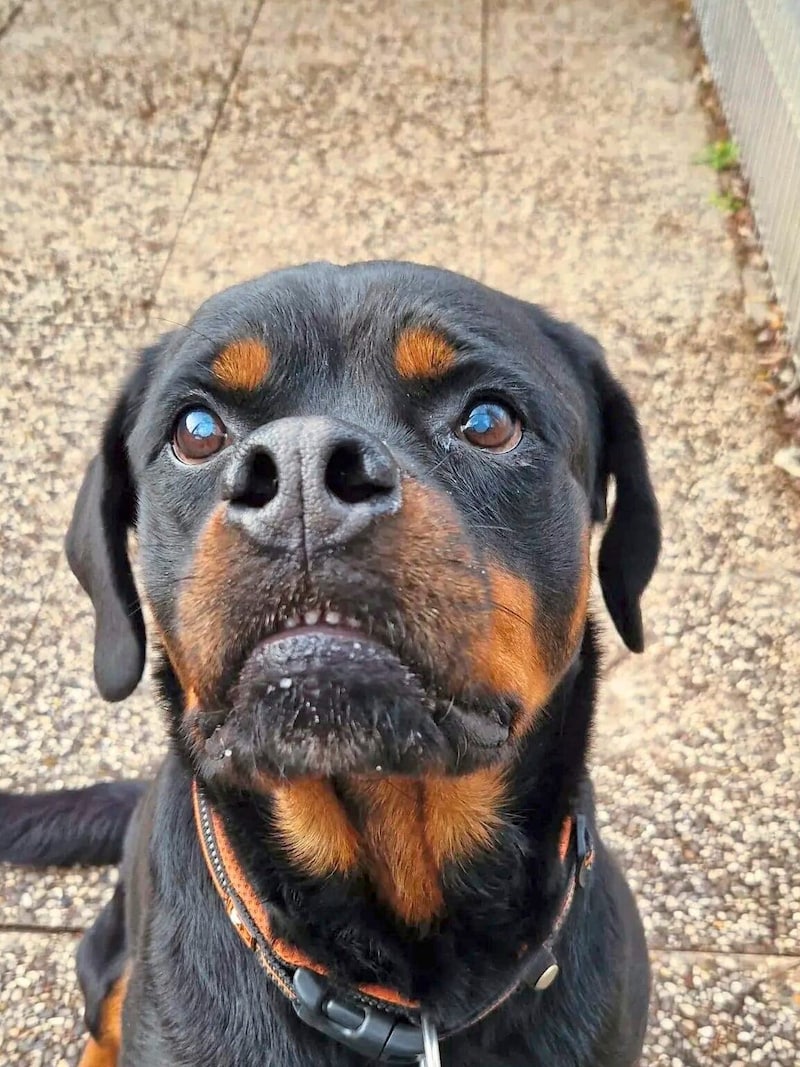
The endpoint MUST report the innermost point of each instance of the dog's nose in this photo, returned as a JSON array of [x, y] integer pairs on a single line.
[[326, 479]]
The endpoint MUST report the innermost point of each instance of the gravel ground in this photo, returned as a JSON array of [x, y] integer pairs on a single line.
[[149, 156]]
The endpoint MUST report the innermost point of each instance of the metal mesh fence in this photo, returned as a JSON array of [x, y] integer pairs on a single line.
[[753, 47]]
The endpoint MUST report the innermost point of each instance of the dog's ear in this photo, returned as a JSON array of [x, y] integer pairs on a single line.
[[97, 543], [632, 539]]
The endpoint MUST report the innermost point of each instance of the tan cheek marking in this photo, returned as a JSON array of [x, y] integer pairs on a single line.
[[421, 353], [201, 630], [462, 814], [314, 827], [508, 657], [243, 365]]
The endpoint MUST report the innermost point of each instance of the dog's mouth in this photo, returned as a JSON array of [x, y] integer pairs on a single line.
[[326, 693]]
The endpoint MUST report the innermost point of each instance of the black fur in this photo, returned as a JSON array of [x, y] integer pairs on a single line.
[[70, 826], [195, 995]]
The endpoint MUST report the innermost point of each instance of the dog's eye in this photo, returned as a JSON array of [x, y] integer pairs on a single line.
[[492, 426], [199, 434]]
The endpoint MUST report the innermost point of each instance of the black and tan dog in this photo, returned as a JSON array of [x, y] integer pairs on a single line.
[[363, 499]]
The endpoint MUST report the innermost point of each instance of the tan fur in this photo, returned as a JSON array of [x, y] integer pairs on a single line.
[[462, 814], [395, 847], [508, 656], [314, 827], [409, 829], [198, 649], [103, 1051], [421, 353], [243, 365]]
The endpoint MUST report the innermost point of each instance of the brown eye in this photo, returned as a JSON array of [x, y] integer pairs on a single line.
[[492, 426], [199, 435]]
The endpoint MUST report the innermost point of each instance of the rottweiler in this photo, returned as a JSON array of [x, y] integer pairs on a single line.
[[363, 500]]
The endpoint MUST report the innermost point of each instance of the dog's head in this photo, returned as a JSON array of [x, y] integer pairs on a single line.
[[363, 499]]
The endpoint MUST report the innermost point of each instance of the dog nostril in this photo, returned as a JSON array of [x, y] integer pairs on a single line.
[[260, 484], [354, 477]]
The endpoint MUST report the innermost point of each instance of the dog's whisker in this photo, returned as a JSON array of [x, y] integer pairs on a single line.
[[514, 614], [184, 326]]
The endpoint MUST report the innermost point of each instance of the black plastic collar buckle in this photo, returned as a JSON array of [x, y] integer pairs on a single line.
[[376, 1034]]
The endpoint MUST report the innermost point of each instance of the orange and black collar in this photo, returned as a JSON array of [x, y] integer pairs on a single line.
[[374, 1020]]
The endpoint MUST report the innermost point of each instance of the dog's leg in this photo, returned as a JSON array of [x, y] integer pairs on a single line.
[[103, 979]]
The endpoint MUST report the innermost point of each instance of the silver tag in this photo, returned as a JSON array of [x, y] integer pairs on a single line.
[[430, 1042]]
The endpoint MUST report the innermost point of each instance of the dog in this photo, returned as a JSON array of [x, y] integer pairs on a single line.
[[363, 499]]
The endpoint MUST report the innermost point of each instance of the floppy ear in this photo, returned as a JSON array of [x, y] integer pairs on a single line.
[[97, 545], [632, 539]]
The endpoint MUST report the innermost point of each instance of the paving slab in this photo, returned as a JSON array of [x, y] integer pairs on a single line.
[[548, 239], [302, 207], [545, 87], [406, 73], [59, 733], [645, 21], [57, 730], [9, 9], [58, 384], [593, 174], [594, 205], [695, 761], [41, 1009], [733, 1010], [131, 82], [80, 243], [712, 435], [349, 134]]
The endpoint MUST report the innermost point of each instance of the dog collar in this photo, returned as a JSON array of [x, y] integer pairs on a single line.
[[373, 1020]]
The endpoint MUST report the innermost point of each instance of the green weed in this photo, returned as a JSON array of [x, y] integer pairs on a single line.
[[721, 155]]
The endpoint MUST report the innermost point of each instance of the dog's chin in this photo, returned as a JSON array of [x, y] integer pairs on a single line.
[[327, 703]]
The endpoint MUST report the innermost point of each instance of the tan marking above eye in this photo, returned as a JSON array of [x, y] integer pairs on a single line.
[[422, 353], [242, 365]]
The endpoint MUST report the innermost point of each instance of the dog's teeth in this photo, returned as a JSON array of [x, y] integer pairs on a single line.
[[333, 618], [311, 618], [351, 622], [290, 624]]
